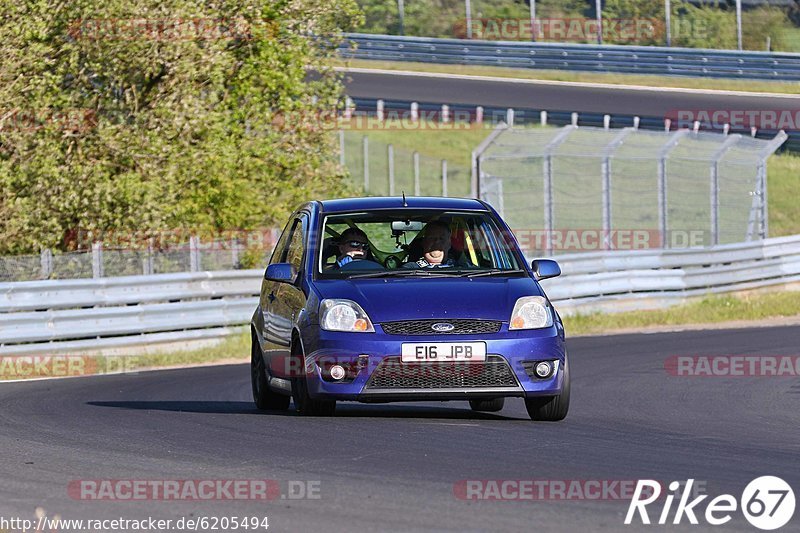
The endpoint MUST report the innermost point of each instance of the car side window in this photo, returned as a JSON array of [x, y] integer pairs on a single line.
[[296, 246], [280, 246]]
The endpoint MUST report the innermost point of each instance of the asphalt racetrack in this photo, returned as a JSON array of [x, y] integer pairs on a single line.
[[398, 466], [655, 102]]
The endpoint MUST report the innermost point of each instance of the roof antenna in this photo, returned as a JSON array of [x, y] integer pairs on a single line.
[[405, 204]]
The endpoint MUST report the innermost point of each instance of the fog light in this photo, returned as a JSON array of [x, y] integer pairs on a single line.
[[337, 372], [544, 369]]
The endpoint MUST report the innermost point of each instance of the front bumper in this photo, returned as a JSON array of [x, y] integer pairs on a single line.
[[509, 348]]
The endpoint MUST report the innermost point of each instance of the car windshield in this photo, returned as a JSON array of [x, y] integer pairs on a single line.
[[414, 243]]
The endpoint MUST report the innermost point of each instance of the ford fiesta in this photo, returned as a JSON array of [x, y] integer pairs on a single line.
[[395, 299]]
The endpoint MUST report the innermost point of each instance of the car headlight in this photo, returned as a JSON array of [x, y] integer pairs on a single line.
[[344, 315], [531, 312]]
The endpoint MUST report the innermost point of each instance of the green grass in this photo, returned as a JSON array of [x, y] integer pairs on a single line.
[[765, 86], [709, 310]]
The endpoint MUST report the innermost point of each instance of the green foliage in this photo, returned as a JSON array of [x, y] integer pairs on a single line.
[[208, 130], [707, 26]]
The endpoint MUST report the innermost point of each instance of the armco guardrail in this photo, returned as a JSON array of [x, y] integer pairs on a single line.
[[117, 313], [583, 57], [111, 313], [650, 279]]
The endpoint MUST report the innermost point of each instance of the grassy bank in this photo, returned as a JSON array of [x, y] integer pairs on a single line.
[[709, 310]]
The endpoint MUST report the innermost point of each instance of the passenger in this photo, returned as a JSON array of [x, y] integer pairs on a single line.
[[353, 246], [435, 247]]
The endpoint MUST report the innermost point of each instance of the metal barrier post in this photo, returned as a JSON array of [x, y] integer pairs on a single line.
[[730, 141], [390, 158], [476, 157], [444, 177], [97, 259], [46, 263], [548, 184], [365, 147], [605, 170], [415, 158], [671, 143], [194, 253]]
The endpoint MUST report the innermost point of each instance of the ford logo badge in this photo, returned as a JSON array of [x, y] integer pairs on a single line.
[[443, 327]]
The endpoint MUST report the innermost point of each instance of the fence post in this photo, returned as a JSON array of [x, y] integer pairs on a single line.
[[444, 177], [445, 117], [148, 266], [548, 185], [194, 253], [414, 111], [235, 252], [365, 147], [390, 156], [341, 149], [574, 119], [415, 158], [510, 117], [714, 184], [479, 115], [379, 110], [543, 118], [47, 263], [97, 259], [476, 159], [606, 174], [662, 183]]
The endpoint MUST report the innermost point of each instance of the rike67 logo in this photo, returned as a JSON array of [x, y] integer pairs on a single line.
[[767, 503]]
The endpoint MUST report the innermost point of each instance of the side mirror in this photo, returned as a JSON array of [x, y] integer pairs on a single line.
[[283, 272], [545, 268]]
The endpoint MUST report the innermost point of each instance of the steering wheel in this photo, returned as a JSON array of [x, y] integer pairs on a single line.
[[391, 262]]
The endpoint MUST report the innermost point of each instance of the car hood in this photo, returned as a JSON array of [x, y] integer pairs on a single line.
[[387, 299]]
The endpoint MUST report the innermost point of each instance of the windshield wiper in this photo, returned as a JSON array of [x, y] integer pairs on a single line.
[[404, 273], [491, 272]]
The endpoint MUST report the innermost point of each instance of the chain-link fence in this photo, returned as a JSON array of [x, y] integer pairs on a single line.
[[581, 188], [382, 169], [193, 256]]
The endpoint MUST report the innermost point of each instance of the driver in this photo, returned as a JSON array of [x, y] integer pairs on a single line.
[[435, 247], [353, 245]]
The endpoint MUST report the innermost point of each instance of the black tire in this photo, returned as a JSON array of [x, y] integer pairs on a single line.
[[488, 406], [264, 398], [303, 403], [551, 408]]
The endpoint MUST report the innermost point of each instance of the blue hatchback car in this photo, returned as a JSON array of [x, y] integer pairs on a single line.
[[395, 299]]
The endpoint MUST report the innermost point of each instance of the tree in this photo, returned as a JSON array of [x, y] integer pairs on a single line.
[[135, 115]]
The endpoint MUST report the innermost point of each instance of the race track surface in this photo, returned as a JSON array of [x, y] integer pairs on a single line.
[[393, 467], [655, 102]]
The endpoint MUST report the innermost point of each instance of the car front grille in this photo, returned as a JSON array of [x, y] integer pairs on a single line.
[[425, 327], [391, 373]]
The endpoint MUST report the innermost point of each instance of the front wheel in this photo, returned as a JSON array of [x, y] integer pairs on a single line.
[[487, 406], [264, 398], [551, 408], [304, 403]]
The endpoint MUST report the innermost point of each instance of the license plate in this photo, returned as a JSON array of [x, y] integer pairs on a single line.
[[431, 352]]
